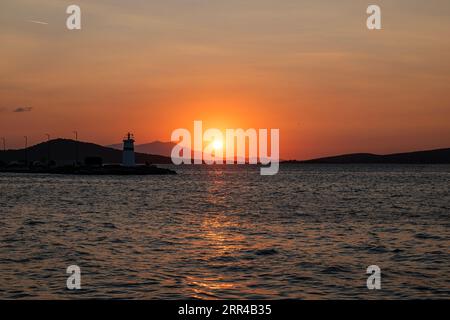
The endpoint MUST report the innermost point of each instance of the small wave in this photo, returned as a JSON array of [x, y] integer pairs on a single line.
[[266, 252], [224, 259], [34, 222], [378, 249], [426, 236], [334, 270]]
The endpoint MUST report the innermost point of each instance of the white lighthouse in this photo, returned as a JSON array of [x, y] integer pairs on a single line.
[[128, 151]]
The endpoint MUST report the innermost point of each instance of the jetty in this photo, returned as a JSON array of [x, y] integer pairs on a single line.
[[93, 162], [90, 170]]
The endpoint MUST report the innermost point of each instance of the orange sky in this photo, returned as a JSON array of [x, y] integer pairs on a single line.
[[310, 69]]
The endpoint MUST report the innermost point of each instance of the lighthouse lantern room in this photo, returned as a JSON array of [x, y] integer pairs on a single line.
[[128, 151]]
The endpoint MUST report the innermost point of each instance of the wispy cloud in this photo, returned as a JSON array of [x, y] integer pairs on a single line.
[[37, 22], [23, 109]]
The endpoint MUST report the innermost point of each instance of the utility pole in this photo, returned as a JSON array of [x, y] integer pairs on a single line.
[[26, 150], [76, 147], [4, 143], [48, 149]]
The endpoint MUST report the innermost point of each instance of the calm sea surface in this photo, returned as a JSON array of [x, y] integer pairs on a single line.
[[309, 232]]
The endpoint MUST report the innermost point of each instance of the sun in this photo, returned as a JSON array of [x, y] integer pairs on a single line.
[[217, 144]]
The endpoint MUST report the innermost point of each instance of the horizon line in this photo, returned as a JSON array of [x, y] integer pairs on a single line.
[[281, 160]]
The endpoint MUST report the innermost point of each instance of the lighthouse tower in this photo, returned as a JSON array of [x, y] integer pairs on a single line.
[[128, 151]]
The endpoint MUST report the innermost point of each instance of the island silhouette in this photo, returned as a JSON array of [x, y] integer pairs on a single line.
[[436, 156]]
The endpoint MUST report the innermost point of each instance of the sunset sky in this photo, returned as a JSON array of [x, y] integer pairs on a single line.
[[310, 68]]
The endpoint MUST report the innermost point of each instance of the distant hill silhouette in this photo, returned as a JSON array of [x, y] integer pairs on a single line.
[[156, 148], [64, 150], [438, 156]]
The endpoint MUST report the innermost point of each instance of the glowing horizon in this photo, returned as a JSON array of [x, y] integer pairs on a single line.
[[310, 69]]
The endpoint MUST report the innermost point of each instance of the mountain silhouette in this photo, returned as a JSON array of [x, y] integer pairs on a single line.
[[437, 156], [155, 147], [65, 151], [159, 148]]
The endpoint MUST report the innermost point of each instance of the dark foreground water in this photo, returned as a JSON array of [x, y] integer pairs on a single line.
[[227, 232]]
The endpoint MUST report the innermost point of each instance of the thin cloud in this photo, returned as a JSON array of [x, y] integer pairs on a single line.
[[23, 109], [37, 22]]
